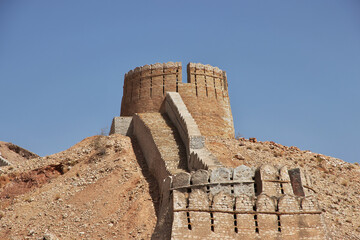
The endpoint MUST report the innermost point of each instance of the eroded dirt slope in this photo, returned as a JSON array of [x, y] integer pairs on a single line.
[[98, 189], [101, 189], [14, 153]]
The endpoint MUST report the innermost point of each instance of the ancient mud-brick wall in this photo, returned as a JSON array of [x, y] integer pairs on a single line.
[[205, 94], [244, 203], [209, 88]]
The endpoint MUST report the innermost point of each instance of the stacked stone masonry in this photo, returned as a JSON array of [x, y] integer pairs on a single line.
[[199, 156], [122, 125], [161, 144], [205, 94], [229, 204]]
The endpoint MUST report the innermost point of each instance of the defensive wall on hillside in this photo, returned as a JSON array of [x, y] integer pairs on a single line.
[[200, 198], [245, 203]]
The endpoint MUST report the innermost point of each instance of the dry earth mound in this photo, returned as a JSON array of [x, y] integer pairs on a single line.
[[97, 189], [101, 188], [14, 153]]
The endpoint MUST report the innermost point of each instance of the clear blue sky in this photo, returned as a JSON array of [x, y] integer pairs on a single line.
[[293, 66]]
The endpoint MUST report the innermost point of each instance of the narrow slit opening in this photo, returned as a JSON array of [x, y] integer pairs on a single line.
[[177, 80], [215, 87], [196, 90], [212, 221], [279, 223], [256, 221], [206, 86], [281, 188], [188, 220], [235, 224]]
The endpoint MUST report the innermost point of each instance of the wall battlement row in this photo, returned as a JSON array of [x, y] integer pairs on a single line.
[[205, 94], [228, 204]]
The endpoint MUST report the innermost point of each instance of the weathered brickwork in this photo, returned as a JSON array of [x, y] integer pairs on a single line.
[[200, 198], [205, 94], [161, 145], [121, 125], [228, 204], [199, 157]]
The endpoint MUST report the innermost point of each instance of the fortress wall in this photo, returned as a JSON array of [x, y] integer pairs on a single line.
[[199, 157], [145, 87], [122, 125], [205, 94], [207, 205], [213, 112], [150, 150]]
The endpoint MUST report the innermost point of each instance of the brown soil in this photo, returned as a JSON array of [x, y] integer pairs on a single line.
[[98, 189], [14, 153], [101, 188]]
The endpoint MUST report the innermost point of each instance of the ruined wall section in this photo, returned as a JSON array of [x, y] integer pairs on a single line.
[[205, 94], [228, 204]]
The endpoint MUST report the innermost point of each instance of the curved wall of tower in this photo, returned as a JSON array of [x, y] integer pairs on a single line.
[[205, 94]]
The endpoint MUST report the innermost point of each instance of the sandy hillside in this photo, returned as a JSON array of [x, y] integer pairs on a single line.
[[97, 189], [101, 189]]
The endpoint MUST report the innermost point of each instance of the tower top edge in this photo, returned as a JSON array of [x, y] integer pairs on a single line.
[[155, 66]]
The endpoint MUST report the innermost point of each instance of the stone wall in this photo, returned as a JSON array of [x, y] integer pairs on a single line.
[[122, 125], [199, 157], [228, 204], [212, 202], [205, 94], [150, 150]]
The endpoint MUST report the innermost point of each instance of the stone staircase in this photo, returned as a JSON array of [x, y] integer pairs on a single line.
[[167, 140]]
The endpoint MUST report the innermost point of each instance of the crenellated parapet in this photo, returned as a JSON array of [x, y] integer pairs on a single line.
[[229, 204], [205, 94], [145, 87]]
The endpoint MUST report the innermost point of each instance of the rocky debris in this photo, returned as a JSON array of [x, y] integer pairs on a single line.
[[15, 154], [21, 151], [98, 189], [254, 140], [239, 156], [50, 236]]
